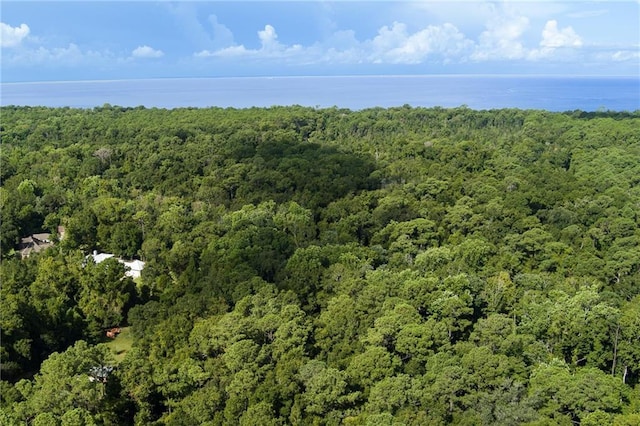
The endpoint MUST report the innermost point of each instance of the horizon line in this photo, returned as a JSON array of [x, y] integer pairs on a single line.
[[273, 77]]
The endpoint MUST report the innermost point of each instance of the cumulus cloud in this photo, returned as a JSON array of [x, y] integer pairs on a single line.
[[146, 52], [502, 39], [269, 38], [397, 45], [554, 37], [394, 44], [12, 36], [270, 47]]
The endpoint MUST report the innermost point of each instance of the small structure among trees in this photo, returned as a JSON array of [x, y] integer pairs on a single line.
[[133, 268], [36, 243], [113, 332]]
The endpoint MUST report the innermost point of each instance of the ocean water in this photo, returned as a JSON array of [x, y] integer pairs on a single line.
[[353, 92]]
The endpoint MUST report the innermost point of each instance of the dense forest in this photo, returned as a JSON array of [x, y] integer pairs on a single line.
[[402, 266]]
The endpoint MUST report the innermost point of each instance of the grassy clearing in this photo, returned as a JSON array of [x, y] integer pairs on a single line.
[[121, 344]]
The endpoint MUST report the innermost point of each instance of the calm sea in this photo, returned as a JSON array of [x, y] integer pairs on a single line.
[[355, 92]]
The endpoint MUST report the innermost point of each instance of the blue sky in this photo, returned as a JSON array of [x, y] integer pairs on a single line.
[[89, 40]]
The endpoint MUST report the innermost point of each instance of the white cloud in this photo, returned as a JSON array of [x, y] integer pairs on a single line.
[[270, 48], [553, 40], [12, 36], [554, 37], [146, 52], [393, 44], [227, 51], [625, 55], [396, 45], [502, 39], [507, 37], [386, 40], [269, 38]]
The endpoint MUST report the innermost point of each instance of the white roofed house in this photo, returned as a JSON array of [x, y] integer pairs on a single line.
[[133, 268], [100, 257]]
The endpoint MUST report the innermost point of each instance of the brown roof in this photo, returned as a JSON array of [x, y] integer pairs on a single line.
[[43, 237], [34, 243]]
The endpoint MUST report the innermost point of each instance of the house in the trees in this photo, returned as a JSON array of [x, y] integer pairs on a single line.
[[36, 243], [134, 267]]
